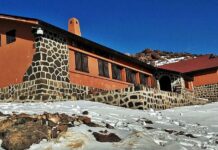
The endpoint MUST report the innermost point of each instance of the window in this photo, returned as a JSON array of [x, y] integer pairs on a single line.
[[116, 72], [143, 79], [81, 61], [103, 68], [11, 36], [130, 76]]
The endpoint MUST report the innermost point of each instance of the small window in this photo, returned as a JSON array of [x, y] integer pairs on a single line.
[[103, 68], [143, 79], [10, 36], [81, 61], [130, 76], [116, 72]]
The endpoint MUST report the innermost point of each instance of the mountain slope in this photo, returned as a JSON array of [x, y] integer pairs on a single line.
[[158, 57]]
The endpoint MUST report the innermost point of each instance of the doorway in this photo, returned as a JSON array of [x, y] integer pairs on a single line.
[[165, 83]]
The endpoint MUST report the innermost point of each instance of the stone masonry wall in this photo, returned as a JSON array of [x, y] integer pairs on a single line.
[[144, 98], [209, 91], [177, 83], [50, 60], [42, 90]]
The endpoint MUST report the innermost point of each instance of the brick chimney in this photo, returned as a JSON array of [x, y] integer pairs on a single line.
[[74, 27]]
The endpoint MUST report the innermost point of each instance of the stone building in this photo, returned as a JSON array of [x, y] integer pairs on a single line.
[[39, 61], [201, 75]]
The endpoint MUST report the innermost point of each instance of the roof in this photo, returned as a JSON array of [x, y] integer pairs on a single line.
[[192, 65], [18, 18], [79, 39]]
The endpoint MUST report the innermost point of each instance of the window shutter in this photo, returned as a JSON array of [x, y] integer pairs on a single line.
[[106, 71], [78, 61], [143, 79], [100, 67], [85, 63], [128, 75], [118, 72], [133, 77], [114, 71], [10, 36]]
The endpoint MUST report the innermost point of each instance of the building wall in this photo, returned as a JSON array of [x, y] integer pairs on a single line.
[[16, 57], [43, 90], [93, 79], [47, 65], [44, 65], [140, 97], [47, 57], [208, 91], [47, 76], [50, 60], [206, 77]]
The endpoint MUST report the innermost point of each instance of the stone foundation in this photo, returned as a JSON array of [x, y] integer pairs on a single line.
[[145, 98], [209, 91], [138, 97], [42, 90]]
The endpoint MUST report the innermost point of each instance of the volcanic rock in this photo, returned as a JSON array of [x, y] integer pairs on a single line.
[[106, 137]]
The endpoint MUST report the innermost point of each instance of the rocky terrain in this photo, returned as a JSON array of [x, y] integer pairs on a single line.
[[158, 57], [89, 125], [20, 131]]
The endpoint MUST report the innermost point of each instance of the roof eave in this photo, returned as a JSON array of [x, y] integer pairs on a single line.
[[200, 70], [21, 19]]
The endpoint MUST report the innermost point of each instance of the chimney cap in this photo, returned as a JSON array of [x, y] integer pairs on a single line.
[[73, 26], [71, 20]]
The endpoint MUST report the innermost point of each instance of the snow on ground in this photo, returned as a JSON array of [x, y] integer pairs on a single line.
[[183, 128]]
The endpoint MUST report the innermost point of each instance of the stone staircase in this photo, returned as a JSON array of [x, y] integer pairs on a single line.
[[177, 88]]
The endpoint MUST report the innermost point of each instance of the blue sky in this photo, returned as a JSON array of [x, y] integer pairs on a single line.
[[132, 25]]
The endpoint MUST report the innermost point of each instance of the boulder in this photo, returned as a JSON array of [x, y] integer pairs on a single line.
[[4, 125], [109, 126], [111, 137], [84, 119], [23, 136], [85, 112]]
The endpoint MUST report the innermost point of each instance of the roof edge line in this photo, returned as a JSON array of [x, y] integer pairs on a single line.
[[21, 19]]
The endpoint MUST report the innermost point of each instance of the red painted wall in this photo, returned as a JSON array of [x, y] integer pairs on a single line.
[[206, 77], [92, 78], [15, 58]]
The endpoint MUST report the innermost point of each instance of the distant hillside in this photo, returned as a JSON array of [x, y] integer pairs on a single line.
[[158, 57]]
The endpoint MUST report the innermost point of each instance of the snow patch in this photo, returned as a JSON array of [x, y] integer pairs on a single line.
[[182, 128]]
